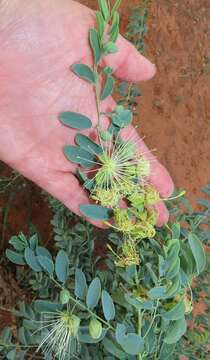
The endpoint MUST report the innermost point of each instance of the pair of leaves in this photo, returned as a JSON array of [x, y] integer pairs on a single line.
[[93, 294]]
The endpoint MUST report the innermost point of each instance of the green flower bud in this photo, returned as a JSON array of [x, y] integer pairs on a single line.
[[64, 296], [95, 329]]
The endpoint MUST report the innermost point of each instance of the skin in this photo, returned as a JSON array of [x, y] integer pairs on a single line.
[[39, 41]]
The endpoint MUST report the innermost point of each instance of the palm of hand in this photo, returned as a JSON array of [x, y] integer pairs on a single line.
[[39, 43]]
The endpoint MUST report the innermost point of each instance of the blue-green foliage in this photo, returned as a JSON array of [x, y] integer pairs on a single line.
[[154, 290]]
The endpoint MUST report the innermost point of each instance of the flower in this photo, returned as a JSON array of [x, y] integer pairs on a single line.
[[119, 164], [61, 338]]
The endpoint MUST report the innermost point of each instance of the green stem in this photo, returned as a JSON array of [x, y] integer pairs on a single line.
[[83, 306], [97, 94], [139, 329]]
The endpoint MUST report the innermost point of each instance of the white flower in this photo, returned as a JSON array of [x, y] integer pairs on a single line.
[[60, 335]]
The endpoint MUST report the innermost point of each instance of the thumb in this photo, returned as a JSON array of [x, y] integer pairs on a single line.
[[128, 64]]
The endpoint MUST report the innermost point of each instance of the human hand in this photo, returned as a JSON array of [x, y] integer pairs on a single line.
[[39, 41]]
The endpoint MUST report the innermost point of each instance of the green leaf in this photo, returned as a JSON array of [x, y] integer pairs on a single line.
[[33, 241], [114, 29], [80, 284], [15, 257], [174, 288], [104, 8], [62, 266], [187, 259], [175, 331], [79, 156], [176, 230], [110, 48], [113, 349], [84, 72], [157, 292], [108, 306], [75, 120], [93, 293], [96, 212], [46, 264], [108, 87], [139, 305], [31, 260], [173, 269], [198, 252], [94, 42], [40, 250], [176, 313], [122, 118], [18, 243], [46, 306], [87, 144], [115, 7], [132, 343], [101, 24], [166, 351], [31, 324], [12, 355]]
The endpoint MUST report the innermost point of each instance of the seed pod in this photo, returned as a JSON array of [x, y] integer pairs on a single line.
[[75, 323], [95, 329], [64, 296]]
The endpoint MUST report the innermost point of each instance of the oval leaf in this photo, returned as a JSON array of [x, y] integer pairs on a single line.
[[87, 144], [176, 313], [46, 264], [175, 331], [31, 260], [94, 293], [108, 87], [15, 257], [104, 8], [84, 72], [94, 42], [122, 118], [79, 156], [40, 250], [80, 284], [75, 120], [198, 252], [62, 266], [108, 306], [96, 212]]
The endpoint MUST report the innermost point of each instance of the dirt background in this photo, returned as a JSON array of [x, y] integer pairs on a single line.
[[174, 111], [174, 114]]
